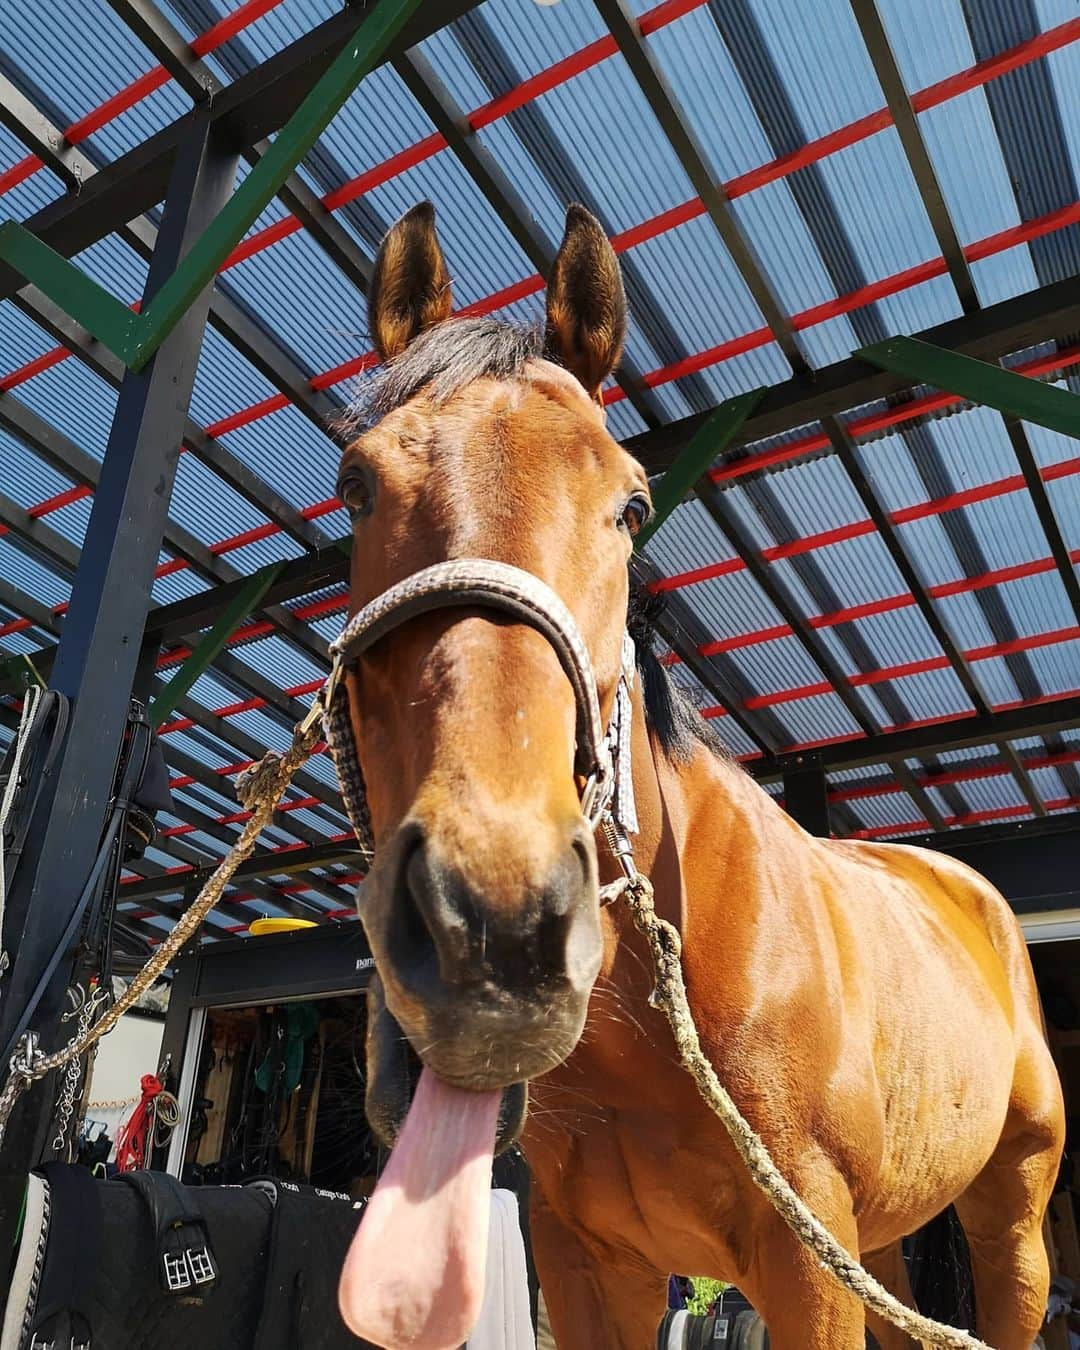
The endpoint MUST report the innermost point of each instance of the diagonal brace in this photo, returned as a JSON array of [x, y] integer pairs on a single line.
[[978, 381], [712, 439], [135, 338]]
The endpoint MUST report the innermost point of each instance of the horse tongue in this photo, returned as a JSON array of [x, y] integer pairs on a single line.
[[414, 1274]]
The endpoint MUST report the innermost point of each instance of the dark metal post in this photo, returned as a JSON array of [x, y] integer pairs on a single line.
[[102, 638], [806, 799]]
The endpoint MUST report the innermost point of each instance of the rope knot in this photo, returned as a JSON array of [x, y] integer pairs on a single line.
[[253, 784]]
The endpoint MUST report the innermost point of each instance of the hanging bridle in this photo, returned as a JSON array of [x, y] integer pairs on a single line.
[[601, 757]]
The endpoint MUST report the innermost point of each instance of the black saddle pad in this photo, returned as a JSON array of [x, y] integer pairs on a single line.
[[255, 1268]]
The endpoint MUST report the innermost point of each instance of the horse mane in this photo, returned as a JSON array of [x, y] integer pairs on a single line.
[[442, 361], [669, 710]]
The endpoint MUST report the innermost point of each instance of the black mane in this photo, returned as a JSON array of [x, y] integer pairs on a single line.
[[678, 725], [443, 361]]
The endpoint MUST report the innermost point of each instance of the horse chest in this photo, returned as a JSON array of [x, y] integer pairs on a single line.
[[634, 1180]]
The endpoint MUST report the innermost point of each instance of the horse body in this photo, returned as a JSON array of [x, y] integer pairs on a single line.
[[872, 1010]]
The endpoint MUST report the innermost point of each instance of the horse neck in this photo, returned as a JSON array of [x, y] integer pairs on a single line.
[[695, 813]]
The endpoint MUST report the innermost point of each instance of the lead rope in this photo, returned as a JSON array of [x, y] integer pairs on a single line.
[[669, 994], [259, 789]]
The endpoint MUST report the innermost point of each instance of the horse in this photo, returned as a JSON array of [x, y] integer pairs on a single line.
[[870, 1007]]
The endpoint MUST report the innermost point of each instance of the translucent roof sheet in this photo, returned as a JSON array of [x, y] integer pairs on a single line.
[[799, 605]]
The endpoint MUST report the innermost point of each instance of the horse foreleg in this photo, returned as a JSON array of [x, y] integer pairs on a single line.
[[800, 1303], [889, 1268], [592, 1303]]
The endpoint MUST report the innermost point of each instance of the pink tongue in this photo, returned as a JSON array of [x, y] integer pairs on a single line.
[[414, 1275]]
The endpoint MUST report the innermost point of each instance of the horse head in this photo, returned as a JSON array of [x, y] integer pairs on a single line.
[[482, 441]]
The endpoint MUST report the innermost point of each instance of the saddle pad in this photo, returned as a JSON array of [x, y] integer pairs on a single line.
[[88, 1270]]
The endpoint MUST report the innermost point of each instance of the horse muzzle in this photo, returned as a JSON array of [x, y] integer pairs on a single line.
[[393, 1071], [490, 989]]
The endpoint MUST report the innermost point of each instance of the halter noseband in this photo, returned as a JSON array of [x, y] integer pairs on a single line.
[[480, 583]]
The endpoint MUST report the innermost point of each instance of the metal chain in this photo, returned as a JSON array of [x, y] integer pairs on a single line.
[[73, 1070]]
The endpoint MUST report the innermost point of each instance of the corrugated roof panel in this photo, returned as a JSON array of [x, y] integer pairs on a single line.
[[996, 680], [934, 693], [1007, 529], [1004, 275], [28, 575], [883, 213], [26, 642], [705, 303], [892, 809], [859, 774], [895, 637], [206, 505], [814, 496], [812, 719], [968, 754], [225, 382], [33, 193], [482, 256], [75, 401], [714, 100], [960, 133], [775, 666], [24, 477], [177, 585], [281, 25], [688, 539], [966, 621], [1058, 667], [323, 318], [1049, 785], [1037, 604], [83, 56], [1064, 68], [279, 661], [116, 266], [929, 39], [1050, 447], [293, 456], [991, 794], [1064, 494], [820, 57], [785, 247]]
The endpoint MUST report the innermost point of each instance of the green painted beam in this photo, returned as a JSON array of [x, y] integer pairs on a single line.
[[713, 438], [979, 382], [135, 338], [91, 305], [243, 603]]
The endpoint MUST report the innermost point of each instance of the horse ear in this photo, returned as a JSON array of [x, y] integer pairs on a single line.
[[586, 303], [411, 288]]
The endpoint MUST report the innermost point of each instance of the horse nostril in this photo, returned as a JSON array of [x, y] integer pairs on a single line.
[[410, 939], [584, 849]]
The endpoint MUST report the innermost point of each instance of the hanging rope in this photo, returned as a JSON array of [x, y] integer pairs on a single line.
[[669, 994], [132, 1141]]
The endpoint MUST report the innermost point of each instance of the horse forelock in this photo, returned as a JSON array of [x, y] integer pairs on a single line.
[[444, 360]]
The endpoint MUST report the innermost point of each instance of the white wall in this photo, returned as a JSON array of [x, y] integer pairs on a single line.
[[124, 1055]]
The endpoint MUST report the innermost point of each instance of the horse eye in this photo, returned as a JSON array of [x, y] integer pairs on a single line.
[[355, 494], [635, 514]]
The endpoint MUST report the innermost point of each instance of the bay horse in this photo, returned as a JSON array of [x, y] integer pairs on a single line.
[[870, 1007]]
